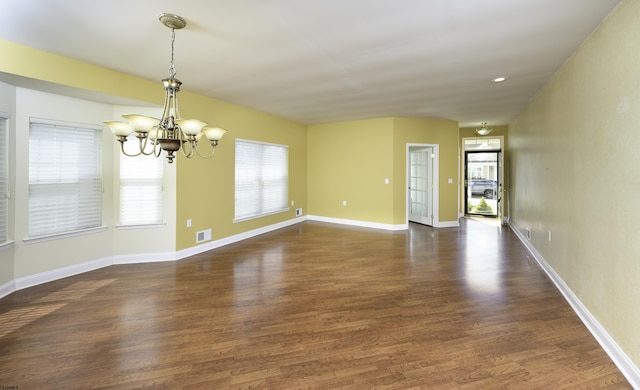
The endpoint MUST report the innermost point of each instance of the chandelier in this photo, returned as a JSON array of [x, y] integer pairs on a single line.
[[171, 132], [483, 130]]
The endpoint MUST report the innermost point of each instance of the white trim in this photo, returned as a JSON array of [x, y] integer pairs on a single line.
[[446, 224], [435, 198], [373, 225], [58, 123], [6, 245], [7, 288], [142, 226], [250, 217], [619, 357], [141, 258], [238, 237], [60, 273], [51, 237]]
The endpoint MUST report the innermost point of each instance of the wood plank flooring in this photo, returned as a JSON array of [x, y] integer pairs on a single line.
[[316, 306]]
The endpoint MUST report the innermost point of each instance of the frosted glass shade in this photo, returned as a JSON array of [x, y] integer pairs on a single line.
[[213, 133], [141, 123], [190, 126], [119, 128]]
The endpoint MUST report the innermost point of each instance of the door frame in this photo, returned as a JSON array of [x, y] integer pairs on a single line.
[[501, 188], [434, 177], [467, 187]]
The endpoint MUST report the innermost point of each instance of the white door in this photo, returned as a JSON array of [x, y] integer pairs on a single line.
[[421, 185]]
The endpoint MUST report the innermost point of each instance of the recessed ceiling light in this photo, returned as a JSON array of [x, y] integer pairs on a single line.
[[498, 79]]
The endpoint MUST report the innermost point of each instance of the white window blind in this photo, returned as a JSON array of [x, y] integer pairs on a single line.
[[4, 186], [65, 177], [140, 187], [262, 179]]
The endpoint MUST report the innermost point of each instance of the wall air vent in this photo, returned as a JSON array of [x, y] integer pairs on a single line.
[[203, 235]]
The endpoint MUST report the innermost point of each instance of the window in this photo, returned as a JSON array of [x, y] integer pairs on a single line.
[[262, 177], [140, 187], [4, 186], [65, 177]]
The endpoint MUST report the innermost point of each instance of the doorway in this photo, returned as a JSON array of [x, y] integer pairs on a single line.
[[483, 186], [421, 179]]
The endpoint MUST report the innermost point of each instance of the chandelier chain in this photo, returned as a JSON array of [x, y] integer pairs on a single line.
[[172, 68]]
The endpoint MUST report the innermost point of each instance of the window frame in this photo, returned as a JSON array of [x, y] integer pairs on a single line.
[[157, 182], [262, 210], [4, 178], [94, 176]]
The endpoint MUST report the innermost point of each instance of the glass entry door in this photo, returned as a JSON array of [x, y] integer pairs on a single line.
[[482, 183]]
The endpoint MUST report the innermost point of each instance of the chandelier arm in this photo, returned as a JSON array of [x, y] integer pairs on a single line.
[[213, 151], [184, 142], [125, 153], [157, 150], [143, 146]]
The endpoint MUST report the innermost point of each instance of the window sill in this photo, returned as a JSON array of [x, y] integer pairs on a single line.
[[6, 245], [142, 226], [242, 219], [52, 237]]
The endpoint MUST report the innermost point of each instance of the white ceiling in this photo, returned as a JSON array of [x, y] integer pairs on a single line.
[[329, 60]]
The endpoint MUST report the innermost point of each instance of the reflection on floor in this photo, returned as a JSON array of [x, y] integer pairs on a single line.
[[486, 220]]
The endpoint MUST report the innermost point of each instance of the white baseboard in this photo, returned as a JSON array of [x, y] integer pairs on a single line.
[[351, 222], [7, 288], [238, 237], [49, 276], [619, 357], [144, 258], [445, 224]]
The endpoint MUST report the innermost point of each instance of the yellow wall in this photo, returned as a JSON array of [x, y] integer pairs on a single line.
[[575, 171], [427, 131], [206, 186], [349, 161]]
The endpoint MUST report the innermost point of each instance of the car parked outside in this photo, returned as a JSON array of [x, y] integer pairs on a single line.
[[482, 187]]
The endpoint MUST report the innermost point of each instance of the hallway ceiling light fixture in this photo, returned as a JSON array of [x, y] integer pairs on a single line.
[[483, 130], [171, 132], [498, 79]]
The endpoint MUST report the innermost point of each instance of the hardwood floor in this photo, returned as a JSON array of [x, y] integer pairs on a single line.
[[310, 306]]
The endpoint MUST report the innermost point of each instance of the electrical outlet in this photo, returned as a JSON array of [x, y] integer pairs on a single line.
[[298, 212], [188, 222], [344, 202]]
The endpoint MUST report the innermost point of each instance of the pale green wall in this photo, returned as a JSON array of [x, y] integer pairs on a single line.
[[34, 258], [7, 104], [427, 131], [350, 161], [575, 170], [136, 241]]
